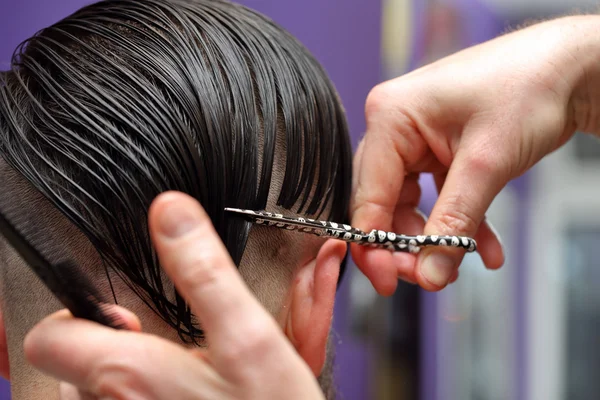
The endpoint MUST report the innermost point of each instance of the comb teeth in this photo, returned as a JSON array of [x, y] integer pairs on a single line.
[[83, 299], [64, 279]]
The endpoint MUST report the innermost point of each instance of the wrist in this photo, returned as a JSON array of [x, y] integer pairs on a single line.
[[581, 64]]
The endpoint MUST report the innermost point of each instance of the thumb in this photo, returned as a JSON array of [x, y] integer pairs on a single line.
[[471, 185], [70, 392]]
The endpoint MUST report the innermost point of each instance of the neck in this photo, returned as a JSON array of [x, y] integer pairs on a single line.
[[29, 384]]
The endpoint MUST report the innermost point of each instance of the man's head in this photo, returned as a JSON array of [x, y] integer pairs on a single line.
[[127, 99]]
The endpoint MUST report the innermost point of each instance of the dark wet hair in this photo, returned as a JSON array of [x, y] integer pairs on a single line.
[[126, 99]]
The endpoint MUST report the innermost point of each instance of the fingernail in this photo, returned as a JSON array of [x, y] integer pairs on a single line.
[[438, 269], [126, 317], [407, 280], [422, 214], [497, 234], [176, 220]]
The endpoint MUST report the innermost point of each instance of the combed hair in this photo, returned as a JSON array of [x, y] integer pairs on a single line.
[[126, 99]]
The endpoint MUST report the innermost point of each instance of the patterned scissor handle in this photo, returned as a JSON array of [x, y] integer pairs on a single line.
[[375, 238]]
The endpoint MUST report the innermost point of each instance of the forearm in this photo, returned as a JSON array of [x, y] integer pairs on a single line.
[[581, 63]]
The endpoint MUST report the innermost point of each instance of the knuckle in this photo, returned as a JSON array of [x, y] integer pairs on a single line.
[[256, 342], [201, 270], [489, 161], [377, 99], [112, 378], [483, 161], [456, 220]]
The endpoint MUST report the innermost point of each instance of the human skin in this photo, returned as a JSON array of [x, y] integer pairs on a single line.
[[241, 334], [475, 120]]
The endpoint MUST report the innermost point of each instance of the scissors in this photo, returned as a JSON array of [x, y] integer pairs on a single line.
[[376, 238]]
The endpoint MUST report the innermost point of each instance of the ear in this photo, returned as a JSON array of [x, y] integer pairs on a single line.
[[4, 365], [312, 297]]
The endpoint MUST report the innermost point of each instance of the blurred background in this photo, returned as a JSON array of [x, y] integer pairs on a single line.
[[526, 332]]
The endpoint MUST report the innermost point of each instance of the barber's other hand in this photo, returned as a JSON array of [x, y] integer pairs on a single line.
[[476, 120], [248, 356]]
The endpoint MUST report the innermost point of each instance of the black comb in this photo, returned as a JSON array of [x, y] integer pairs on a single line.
[[70, 286]]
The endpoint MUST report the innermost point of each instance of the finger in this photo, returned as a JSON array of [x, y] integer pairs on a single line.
[[468, 190], [117, 364], [201, 354], [70, 392], [129, 319], [454, 276], [194, 257], [356, 163], [406, 267], [489, 245], [381, 266], [379, 180], [409, 221], [410, 194], [374, 199], [197, 261], [407, 218], [123, 315]]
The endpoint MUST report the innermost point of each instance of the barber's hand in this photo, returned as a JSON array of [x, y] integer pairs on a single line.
[[248, 355], [476, 120]]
